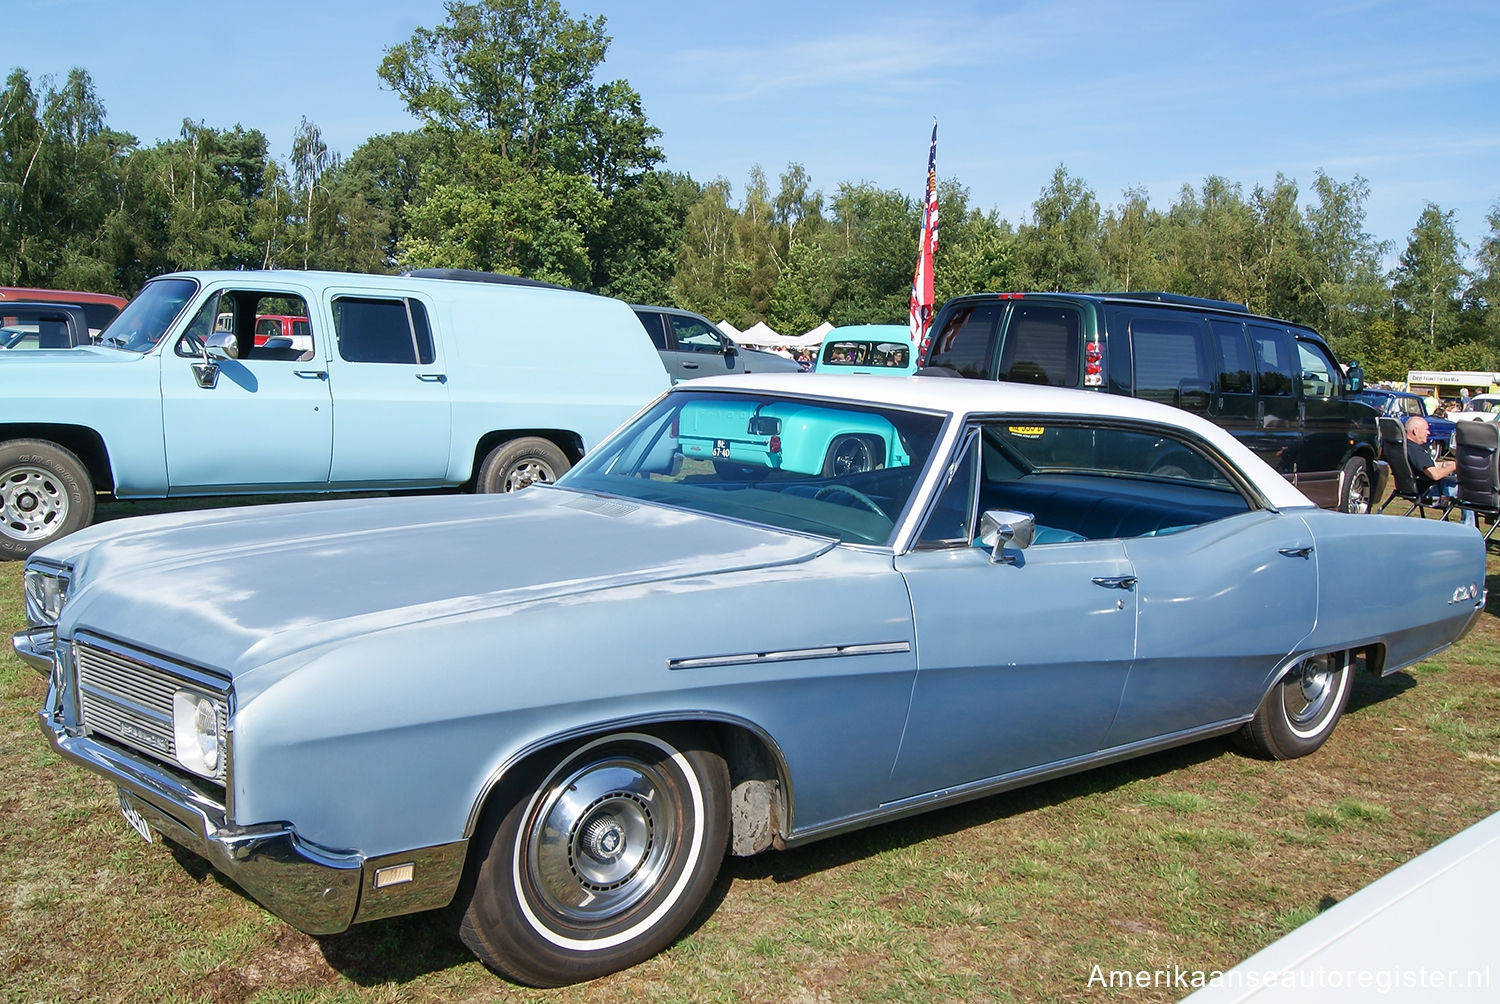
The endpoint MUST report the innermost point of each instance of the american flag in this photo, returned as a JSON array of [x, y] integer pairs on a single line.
[[921, 280]]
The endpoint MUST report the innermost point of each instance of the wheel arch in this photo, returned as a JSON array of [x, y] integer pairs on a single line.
[[761, 796], [569, 442], [83, 442], [1369, 657]]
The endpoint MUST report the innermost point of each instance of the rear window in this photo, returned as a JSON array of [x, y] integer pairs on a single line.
[[1042, 346], [894, 355], [382, 331], [968, 336]]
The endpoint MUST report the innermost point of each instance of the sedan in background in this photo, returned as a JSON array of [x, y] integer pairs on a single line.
[[691, 346], [552, 713]]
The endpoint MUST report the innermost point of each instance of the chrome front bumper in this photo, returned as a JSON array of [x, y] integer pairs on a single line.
[[313, 889]]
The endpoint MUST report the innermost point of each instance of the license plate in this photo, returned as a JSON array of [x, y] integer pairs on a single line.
[[134, 818], [721, 449]]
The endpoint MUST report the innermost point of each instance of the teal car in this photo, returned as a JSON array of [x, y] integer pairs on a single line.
[[790, 436], [882, 349]]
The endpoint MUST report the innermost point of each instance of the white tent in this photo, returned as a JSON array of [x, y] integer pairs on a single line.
[[816, 335], [761, 334], [729, 329]]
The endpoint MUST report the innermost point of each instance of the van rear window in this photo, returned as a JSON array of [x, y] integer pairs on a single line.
[[1042, 346]]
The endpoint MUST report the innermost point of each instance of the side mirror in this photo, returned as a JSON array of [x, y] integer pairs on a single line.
[[1354, 377], [221, 345], [730, 349], [1001, 527]]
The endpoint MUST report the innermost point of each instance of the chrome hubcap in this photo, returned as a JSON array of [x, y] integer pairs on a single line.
[[1306, 694], [528, 472], [600, 840], [33, 503]]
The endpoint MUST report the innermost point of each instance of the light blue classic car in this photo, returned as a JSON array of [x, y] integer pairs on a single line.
[[552, 713]]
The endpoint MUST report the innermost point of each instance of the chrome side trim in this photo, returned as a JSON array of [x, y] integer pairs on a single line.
[[35, 646], [791, 655], [1018, 779]]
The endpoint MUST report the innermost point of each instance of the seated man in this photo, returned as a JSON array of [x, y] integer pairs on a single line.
[[1429, 472]]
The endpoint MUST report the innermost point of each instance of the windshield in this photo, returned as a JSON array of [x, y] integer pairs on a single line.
[[146, 318], [828, 468]]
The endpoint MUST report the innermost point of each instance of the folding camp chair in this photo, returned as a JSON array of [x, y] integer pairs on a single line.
[[1477, 449], [1403, 478]]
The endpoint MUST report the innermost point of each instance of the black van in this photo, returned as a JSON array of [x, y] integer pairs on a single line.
[[1274, 384]]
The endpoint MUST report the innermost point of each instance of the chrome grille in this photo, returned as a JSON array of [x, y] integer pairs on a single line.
[[126, 694]]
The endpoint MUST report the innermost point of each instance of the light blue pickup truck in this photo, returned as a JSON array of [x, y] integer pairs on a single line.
[[425, 380]]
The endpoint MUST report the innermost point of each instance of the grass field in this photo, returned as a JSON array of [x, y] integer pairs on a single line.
[[1193, 858]]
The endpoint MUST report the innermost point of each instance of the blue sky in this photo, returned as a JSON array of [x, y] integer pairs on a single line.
[[1153, 93]]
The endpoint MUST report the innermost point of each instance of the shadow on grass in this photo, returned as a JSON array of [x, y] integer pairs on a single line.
[[788, 866], [1372, 690]]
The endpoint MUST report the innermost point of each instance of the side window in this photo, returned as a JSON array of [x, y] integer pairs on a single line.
[[951, 520], [651, 321], [1170, 357], [1041, 346], [1319, 377], [966, 343], [694, 336], [1235, 368], [382, 331], [253, 316], [1273, 361]]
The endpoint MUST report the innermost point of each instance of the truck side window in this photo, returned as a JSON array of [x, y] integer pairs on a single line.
[[695, 336], [966, 343], [1235, 368], [382, 331], [1318, 371], [1273, 361], [1042, 346], [1170, 358]]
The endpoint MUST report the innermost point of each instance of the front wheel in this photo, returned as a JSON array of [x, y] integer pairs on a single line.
[[600, 865], [1354, 487], [512, 466], [45, 493], [1299, 713]]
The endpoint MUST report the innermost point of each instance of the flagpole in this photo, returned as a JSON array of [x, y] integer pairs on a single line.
[[919, 319]]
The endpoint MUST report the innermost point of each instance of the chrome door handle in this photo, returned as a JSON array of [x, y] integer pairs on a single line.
[[433, 377], [1295, 552], [1115, 581], [312, 374]]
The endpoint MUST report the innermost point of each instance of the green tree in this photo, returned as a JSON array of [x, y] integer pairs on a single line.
[[21, 189], [1059, 248], [520, 73], [1429, 279], [1347, 289], [873, 233]]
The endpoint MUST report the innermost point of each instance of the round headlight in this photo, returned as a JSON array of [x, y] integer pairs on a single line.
[[195, 727]]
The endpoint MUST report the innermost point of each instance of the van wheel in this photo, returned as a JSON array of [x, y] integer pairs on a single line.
[[45, 493], [1354, 487], [601, 863], [1299, 713], [514, 465]]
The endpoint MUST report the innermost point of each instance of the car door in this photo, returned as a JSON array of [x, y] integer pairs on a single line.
[[262, 422], [1221, 605], [390, 392], [699, 350], [1018, 665]]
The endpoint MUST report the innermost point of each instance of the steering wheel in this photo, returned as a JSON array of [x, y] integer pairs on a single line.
[[853, 493]]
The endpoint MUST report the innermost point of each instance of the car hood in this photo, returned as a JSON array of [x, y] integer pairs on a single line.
[[235, 589]]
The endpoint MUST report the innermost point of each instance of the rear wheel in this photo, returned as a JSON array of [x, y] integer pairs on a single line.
[[1300, 711], [851, 455], [512, 466], [1354, 487], [45, 493], [602, 863]]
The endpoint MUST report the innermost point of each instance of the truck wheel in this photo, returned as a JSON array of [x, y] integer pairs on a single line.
[[600, 863], [45, 492], [514, 465], [1354, 487]]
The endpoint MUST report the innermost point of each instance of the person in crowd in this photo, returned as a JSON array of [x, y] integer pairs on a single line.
[[1430, 472]]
